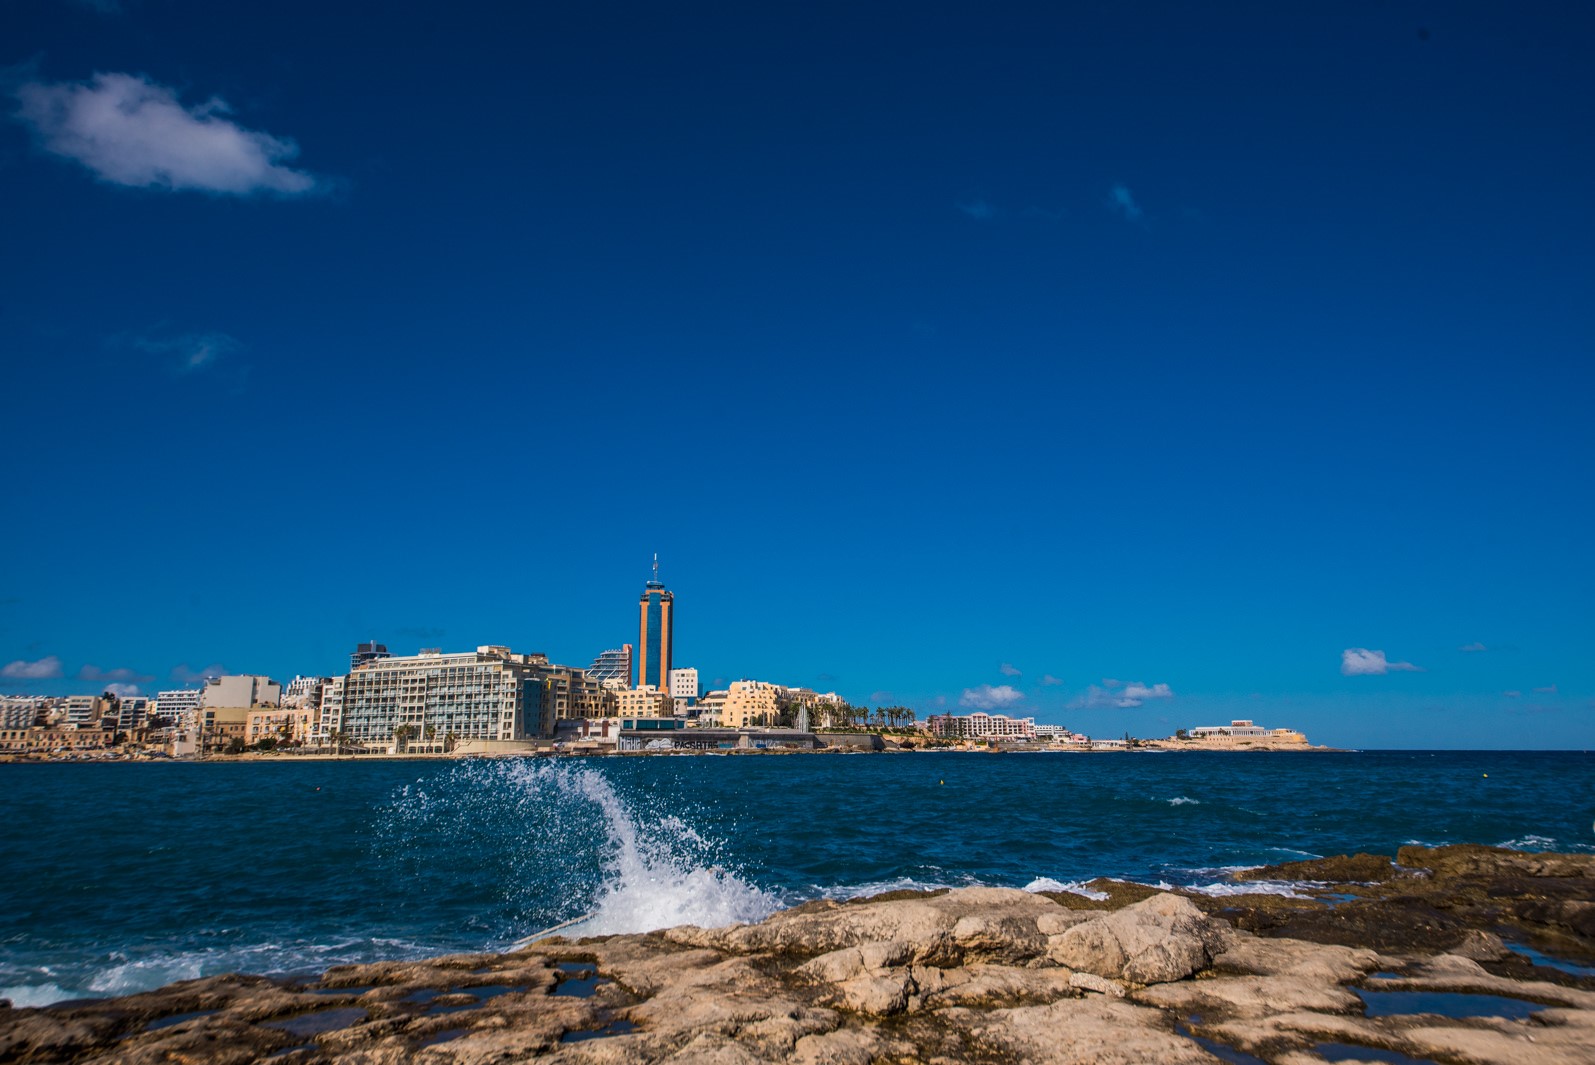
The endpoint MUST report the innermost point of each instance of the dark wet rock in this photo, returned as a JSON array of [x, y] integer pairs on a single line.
[[1341, 869]]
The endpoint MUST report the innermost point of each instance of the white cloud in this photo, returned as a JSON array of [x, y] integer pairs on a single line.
[[1121, 201], [130, 131], [119, 676], [1049, 680], [979, 210], [987, 697], [122, 690], [1473, 647], [1361, 662], [46, 668], [192, 352], [1009, 670], [1122, 697], [183, 675]]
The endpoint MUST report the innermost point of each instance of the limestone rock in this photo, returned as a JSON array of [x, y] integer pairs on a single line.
[[1161, 939]]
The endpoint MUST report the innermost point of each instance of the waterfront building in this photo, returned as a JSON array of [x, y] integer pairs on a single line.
[[180, 706], [749, 703], [368, 652], [683, 688], [303, 691], [243, 690], [644, 702], [1241, 728], [288, 724], [656, 610], [1244, 730], [330, 701], [21, 711], [84, 711], [132, 711], [572, 694], [983, 726], [439, 699], [613, 666]]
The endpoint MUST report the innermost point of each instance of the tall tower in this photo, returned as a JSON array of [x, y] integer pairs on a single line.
[[653, 643]]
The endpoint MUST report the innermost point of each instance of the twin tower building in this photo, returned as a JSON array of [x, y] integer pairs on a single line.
[[657, 629]]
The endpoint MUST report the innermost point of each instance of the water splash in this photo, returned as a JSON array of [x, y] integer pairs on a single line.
[[569, 847]]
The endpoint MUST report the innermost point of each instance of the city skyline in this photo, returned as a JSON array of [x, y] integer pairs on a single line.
[[1135, 367]]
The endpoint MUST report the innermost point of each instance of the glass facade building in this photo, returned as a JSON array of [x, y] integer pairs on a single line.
[[656, 615]]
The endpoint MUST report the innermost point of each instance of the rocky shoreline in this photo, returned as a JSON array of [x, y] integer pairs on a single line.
[[1462, 954]]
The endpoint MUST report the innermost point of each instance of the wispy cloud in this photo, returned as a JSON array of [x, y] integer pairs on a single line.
[[122, 691], [987, 697], [979, 210], [46, 668], [1549, 689], [193, 351], [1122, 202], [117, 676], [1513, 694], [183, 675], [131, 131], [1473, 648], [882, 698], [1049, 680], [1361, 662], [1008, 669], [1110, 693]]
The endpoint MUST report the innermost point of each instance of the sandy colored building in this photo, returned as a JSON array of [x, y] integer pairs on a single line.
[[644, 702], [749, 703]]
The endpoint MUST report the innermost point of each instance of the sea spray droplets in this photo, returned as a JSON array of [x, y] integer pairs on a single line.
[[1183, 801], [565, 844]]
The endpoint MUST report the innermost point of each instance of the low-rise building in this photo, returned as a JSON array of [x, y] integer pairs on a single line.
[[646, 701], [1241, 728], [749, 703], [287, 724]]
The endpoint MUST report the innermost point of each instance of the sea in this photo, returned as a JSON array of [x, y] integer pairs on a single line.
[[120, 877]]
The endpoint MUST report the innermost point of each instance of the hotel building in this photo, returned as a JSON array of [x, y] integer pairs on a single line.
[[488, 694], [983, 726], [656, 628]]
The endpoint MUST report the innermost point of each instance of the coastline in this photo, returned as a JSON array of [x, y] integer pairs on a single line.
[[1113, 972]]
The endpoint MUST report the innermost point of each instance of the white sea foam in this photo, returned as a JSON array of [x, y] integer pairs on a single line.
[[1290, 889], [654, 871], [1181, 800], [24, 996], [1074, 887], [1530, 842]]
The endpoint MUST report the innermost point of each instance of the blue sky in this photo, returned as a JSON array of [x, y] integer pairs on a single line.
[[1132, 365]]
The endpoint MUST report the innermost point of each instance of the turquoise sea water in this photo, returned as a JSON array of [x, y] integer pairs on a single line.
[[115, 878]]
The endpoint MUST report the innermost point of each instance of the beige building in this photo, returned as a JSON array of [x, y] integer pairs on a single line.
[[244, 690], [749, 703], [644, 702], [285, 725]]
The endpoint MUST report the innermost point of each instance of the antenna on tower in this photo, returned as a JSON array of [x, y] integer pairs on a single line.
[[656, 567]]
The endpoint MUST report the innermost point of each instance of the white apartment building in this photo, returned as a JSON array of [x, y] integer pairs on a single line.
[[19, 711], [132, 711], [83, 711], [488, 694], [983, 726], [179, 706], [684, 684]]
